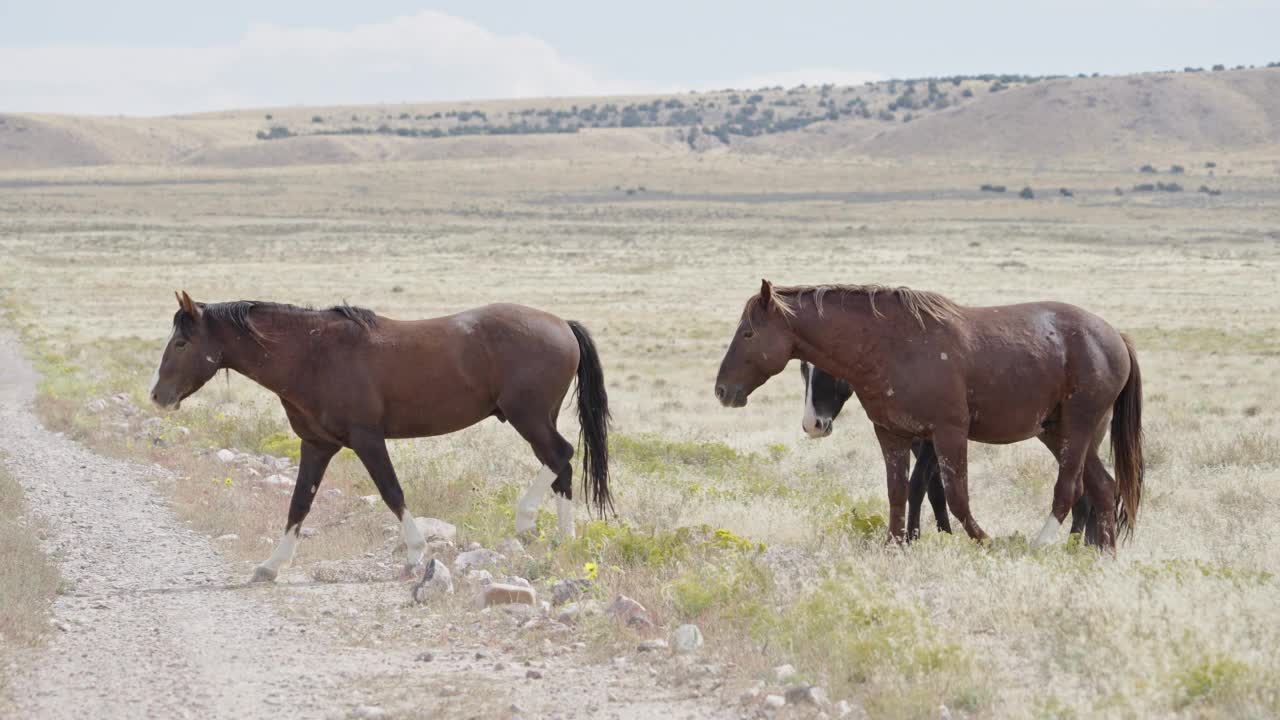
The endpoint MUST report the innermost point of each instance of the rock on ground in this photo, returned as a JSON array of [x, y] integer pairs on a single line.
[[436, 580], [687, 639], [476, 558], [629, 612], [503, 594]]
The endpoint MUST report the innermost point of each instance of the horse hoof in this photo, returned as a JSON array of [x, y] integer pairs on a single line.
[[263, 574]]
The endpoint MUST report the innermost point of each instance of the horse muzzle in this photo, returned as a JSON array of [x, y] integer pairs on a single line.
[[733, 397], [820, 428], [166, 400]]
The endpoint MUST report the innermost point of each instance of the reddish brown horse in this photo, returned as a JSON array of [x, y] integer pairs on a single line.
[[926, 368], [350, 378]]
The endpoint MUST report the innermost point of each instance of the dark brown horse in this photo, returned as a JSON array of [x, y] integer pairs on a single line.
[[924, 367], [824, 398], [350, 378]]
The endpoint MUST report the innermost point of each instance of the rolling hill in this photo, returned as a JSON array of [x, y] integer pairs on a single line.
[[959, 119]]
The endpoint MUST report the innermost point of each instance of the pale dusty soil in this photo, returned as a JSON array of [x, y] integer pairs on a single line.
[[157, 624]]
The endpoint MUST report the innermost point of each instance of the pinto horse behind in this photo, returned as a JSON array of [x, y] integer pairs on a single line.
[[350, 378]]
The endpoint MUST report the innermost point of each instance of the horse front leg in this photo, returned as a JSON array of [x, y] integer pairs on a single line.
[[952, 447], [897, 460], [311, 466], [371, 448]]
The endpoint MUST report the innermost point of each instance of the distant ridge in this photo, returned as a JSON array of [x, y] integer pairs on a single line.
[[964, 119]]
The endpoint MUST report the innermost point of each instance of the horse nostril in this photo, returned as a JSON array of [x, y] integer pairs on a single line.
[[719, 392]]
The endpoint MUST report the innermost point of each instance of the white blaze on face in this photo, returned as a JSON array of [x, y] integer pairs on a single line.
[[810, 420], [527, 505], [413, 543], [155, 376]]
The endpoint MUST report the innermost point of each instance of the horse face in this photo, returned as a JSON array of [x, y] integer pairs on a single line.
[[761, 346], [190, 357], [824, 397]]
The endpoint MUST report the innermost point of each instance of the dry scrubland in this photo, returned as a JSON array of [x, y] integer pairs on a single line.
[[1184, 622], [27, 581]]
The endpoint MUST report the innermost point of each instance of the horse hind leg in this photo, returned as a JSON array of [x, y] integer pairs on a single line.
[[1071, 448], [555, 454], [1100, 489]]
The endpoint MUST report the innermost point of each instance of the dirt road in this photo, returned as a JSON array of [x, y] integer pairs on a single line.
[[155, 623]]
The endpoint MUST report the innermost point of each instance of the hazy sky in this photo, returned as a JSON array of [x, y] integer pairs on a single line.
[[164, 56]]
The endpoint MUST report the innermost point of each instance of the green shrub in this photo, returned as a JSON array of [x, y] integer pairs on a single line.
[[1212, 680], [281, 444]]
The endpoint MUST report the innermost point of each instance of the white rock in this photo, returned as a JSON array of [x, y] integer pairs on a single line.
[[501, 594], [96, 406], [511, 547], [227, 538], [436, 580], [308, 532], [370, 500], [476, 558], [783, 673], [944, 713], [277, 480], [517, 580], [774, 701], [436, 529], [843, 709], [686, 639], [226, 456], [480, 577]]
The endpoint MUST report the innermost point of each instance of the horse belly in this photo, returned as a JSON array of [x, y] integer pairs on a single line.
[[426, 419], [1003, 424]]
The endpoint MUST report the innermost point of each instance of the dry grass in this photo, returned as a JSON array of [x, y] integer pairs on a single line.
[[1184, 622], [28, 580]]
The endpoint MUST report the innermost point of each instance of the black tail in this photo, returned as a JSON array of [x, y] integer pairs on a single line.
[[1126, 445], [593, 416]]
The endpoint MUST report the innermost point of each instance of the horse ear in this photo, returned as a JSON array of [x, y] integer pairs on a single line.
[[766, 292], [187, 304]]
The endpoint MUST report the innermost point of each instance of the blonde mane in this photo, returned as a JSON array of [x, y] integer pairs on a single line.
[[919, 304]]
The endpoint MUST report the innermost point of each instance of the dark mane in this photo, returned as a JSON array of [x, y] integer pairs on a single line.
[[237, 314], [918, 303]]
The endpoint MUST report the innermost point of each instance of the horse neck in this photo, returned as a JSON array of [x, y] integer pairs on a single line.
[[265, 361], [846, 340]]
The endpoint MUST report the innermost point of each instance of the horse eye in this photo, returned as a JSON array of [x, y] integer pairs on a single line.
[[181, 344], [749, 334]]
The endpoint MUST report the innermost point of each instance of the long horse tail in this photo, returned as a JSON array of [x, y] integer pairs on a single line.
[[1126, 446], [593, 416]]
